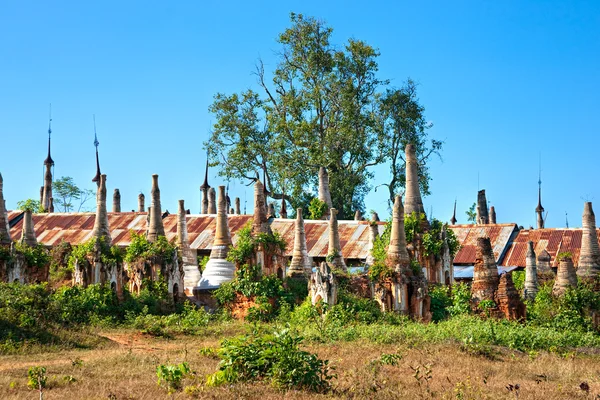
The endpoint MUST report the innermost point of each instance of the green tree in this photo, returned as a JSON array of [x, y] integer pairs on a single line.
[[32, 205], [317, 108], [471, 214], [67, 194], [403, 122]]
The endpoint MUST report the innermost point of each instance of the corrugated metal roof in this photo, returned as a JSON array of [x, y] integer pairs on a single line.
[[499, 234], [76, 228], [554, 241]]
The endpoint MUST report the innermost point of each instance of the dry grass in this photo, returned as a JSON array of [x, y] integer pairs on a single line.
[[126, 370]]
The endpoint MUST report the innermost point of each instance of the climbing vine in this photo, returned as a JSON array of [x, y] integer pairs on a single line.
[[246, 244], [108, 254], [35, 256], [316, 209], [141, 248]]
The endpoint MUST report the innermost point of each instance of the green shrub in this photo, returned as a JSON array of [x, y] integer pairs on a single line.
[[171, 376], [36, 378], [35, 257], [142, 249], [440, 302], [461, 299], [275, 357], [518, 278], [316, 209]]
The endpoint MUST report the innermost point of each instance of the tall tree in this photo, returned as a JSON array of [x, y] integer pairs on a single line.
[[68, 195], [321, 106], [404, 122]]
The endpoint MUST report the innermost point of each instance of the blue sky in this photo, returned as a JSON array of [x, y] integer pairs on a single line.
[[502, 82]]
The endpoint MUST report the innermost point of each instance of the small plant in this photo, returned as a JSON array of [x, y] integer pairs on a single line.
[[36, 379], [316, 209], [171, 376], [390, 359], [275, 357], [379, 272], [564, 255]]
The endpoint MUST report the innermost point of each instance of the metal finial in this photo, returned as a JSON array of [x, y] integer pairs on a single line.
[[96, 143]]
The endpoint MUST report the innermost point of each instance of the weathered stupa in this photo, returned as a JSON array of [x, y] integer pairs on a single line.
[[543, 262], [300, 263], [116, 201], [190, 267], [589, 256], [373, 235], [237, 206], [485, 272], [212, 201], [260, 223], [412, 198], [565, 276], [531, 279], [358, 215], [334, 253], [218, 270], [48, 164], [101, 229], [492, 215], [324, 193], [482, 210], [28, 235], [155, 226], [283, 210], [4, 231], [397, 254], [141, 202]]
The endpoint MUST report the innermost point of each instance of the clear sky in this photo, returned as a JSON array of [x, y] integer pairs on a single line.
[[502, 81]]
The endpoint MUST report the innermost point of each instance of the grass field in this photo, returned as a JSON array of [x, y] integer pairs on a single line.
[[122, 365]]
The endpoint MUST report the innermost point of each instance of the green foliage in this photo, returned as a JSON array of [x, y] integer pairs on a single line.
[[35, 257], [36, 378], [141, 249], [379, 272], [379, 250], [472, 214], [60, 270], [570, 312], [416, 267], [412, 225], [564, 255], [109, 255], [202, 261], [67, 195], [518, 278], [316, 209], [250, 283], [246, 244], [275, 357], [453, 243], [5, 253], [171, 376], [461, 299], [322, 105], [441, 301], [30, 205]]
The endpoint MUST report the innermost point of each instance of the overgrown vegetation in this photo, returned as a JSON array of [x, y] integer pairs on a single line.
[[247, 244], [316, 209], [35, 256], [140, 248], [275, 357], [81, 253]]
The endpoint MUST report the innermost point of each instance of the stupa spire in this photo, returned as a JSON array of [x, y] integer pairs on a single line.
[[96, 143]]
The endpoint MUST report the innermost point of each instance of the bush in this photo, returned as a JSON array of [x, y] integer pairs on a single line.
[[440, 302], [275, 357], [461, 299], [172, 375]]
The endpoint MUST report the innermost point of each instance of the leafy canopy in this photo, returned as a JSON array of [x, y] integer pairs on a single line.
[[322, 105]]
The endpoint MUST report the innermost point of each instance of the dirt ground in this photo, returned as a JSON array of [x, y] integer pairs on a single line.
[[125, 368]]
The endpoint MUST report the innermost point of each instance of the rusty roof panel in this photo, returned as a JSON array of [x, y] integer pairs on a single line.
[[554, 241], [499, 234], [76, 228]]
